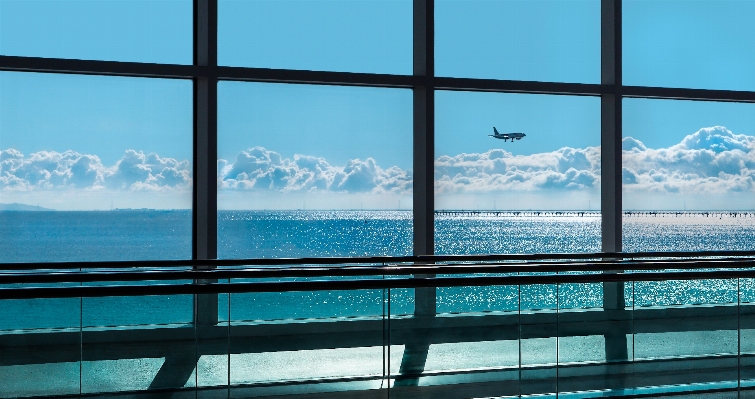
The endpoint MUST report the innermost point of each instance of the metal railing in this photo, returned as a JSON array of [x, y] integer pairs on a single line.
[[575, 325]]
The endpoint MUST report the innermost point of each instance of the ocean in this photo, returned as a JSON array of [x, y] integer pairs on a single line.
[[153, 234], [150, 234]]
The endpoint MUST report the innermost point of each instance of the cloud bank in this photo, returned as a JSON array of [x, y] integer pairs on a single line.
[[711, 160], [48, 170], [499, 170], [260, 169]]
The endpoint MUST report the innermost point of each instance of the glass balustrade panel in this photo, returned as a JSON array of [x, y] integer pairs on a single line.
[[41, 351]]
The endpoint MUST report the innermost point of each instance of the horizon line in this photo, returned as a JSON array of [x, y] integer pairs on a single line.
[[447, 210]]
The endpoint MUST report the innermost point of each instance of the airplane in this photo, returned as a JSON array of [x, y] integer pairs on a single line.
[[506, 136]]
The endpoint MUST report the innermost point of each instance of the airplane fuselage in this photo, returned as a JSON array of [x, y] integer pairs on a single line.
[[507, 136]]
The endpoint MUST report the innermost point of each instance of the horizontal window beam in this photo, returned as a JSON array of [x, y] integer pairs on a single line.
[[136, 69], [316, 77], [87, 67], [517, 86], [688, 94]]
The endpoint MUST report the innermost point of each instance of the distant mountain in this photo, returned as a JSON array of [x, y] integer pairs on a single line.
[[22, 207]]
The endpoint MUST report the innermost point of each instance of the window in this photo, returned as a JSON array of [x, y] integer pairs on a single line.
[[536, 194], [94, 168], [308, 170], [687, 175], [539, 63]]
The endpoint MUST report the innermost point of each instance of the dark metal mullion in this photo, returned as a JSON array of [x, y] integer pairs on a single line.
[[610, 190], [96, 67], [415, 351], [244, 74], [204, 221], [520, 86], [424, 128], [611, 206], [671, 93], [173, 71], [204, 231]]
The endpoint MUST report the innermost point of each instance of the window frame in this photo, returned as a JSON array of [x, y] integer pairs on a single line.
[[205, 73]]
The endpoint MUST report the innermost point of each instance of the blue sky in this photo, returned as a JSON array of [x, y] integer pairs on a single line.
[[465, 119], [699, 43], [158, 31], [100, 115], [340, 35], [336, 123], [346, 147]]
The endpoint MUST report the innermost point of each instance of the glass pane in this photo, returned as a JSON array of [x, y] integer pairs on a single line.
[[458, 335], [94, 168], [535, 188], [686, 325], [313, 171], [538, 345], [542, 40], [334, 35], [137, 343], [687, 175], [594, 337], [213, 344], [704, 44], [41, 350], [300, 341], [155, 31]]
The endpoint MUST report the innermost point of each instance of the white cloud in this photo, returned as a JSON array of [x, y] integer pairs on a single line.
[[261, 169], [45, 170], [712, 161], [499, 170]]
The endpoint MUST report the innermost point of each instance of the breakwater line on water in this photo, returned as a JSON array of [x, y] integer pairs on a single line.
[[529, 213]]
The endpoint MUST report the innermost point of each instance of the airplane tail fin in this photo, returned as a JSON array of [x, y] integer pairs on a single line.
[[495, 130]]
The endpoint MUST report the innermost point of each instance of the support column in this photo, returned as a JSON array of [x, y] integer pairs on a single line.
[[415, 350], [424, 129], [611, 207], [205, 150], [620, 321], [181, 361]]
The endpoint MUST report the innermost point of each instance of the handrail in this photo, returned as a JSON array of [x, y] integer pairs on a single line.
[[357, 284], [597, 256], [74, 276]]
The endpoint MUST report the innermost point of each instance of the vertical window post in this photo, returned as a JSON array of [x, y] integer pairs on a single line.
[[205, 149], [611, 125], [610, 190], [415, 351], [424, 127]]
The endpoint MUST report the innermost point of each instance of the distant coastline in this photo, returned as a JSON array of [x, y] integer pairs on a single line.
[[23, 207]]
